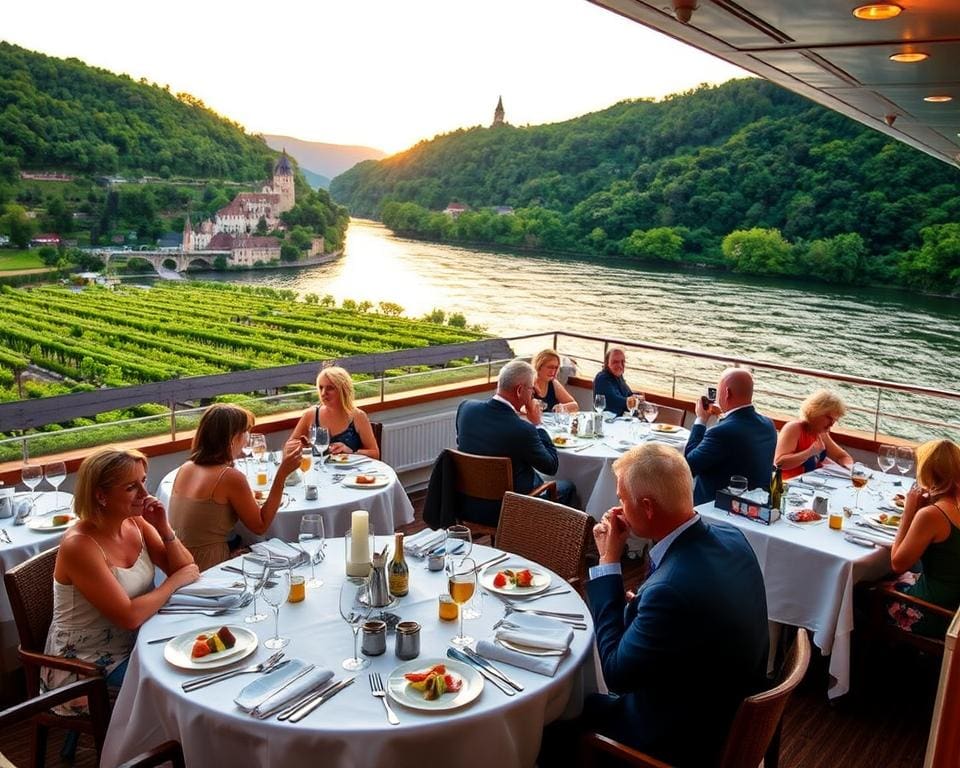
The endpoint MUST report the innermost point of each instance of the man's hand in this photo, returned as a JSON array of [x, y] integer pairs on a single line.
[[611, 535], [532, 407]]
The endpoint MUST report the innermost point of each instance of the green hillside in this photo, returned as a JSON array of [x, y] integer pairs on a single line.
[[804, 190], [63, 114]]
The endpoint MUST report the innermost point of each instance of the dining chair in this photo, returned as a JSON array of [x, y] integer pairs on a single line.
[[884, 631], [754, 735], [551, 534], [669, 415], [168, 752], [377, 428], [30, 590], [487, 478]]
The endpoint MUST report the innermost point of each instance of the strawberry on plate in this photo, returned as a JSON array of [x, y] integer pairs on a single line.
[[500, 580], [524, 578]]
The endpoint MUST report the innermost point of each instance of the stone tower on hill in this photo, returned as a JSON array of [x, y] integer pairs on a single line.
[[498, 113], [283, 183]]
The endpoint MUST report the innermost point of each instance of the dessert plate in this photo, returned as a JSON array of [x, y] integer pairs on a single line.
[[379, 481], [177, 651], [45, 524], [541, 580], [403, 693]]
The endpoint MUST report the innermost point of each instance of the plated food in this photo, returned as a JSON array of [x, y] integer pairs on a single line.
[[218, 642], [180, 650], [434, 682], [665, 428], [521, 578], [886, 519], [50, 523], [804, 516], [899, 500], [366, 480], [566, 441], [516, 579], [412, 692]]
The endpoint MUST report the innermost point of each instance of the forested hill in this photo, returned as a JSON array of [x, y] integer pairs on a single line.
[[698, 166], [65, 115]]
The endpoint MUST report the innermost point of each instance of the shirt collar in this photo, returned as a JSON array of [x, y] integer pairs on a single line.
[[738, 408], [658, 550], [504, 400]]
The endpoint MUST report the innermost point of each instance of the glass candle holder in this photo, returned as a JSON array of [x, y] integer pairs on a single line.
[[358, 554]]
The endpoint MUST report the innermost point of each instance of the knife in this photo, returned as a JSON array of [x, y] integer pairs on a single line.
[[487, 665], [492, 561], [554, 614], [309, 696], [454, 653], [306, 709], [262, 714]]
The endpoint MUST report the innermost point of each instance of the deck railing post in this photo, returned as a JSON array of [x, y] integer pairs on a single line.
[[876, 416], [173, 419], [25, 450], [673, 385], [556, 340], [383, 386], [489, 370]]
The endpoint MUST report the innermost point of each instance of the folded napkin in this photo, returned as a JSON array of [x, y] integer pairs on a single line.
[[294, 478], [207, 596], [21, 510], [541, 632], [276, 689], [278, 549], [422, 538], [831, 470]]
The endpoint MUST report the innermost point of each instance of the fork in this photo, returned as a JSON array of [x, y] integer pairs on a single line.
[[266, 665], [547, 593], [186, 611], [376, 688]]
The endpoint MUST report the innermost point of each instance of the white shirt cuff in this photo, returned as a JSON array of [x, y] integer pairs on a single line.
[[604, 569]]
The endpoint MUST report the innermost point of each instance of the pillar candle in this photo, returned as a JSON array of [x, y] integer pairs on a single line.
[[360, 535]]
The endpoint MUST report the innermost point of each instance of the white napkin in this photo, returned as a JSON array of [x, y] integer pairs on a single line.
[[207, 596], [274, 690], [421, 538], [833, 470], [542, 665], [276, 548], [531, 630], [294, 478]]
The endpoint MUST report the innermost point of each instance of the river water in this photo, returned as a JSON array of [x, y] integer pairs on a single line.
[[869, 332]]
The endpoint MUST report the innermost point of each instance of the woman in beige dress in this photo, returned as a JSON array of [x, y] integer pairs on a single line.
[[210, 495]]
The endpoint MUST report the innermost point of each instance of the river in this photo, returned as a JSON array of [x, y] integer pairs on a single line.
[[871, 332]]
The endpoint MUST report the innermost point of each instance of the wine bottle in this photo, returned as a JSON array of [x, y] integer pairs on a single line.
[[776, 488], [399, 571]]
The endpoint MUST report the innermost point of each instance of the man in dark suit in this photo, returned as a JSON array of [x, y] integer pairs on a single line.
[[681, 655], [742, 443], [494, 428]]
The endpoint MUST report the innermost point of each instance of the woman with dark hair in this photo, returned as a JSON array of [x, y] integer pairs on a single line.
[[103, 580], [209, 494]]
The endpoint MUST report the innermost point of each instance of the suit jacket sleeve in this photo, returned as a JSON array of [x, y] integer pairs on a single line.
[[540, 452], [704, 449], [605, 385]]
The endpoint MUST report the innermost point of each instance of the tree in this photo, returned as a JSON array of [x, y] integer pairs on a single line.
[[261, 226], [220, 263], [17, 225], [390, 309], [658, 244], [757, 251], [289, 253]]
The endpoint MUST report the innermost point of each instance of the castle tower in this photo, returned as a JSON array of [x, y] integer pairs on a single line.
[[187, 244], [498, 113], [283, 183]]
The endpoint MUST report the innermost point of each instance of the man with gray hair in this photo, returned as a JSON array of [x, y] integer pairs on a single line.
[[494, 428], [693, 641]]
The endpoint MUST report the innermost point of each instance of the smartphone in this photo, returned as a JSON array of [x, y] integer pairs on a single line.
[[711, 394]]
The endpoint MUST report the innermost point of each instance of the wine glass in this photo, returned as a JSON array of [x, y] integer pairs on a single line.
[[462, 582], [254, 570], [650, 412], [31, 476], [459, 542], [258, 445], [635, 404], [886, 457], [306, 461], [246, 449], [354, 608], [321, 442], [599, 403], [276, 587], [859, 476], [55, 474], [561, 418], [737, 485], [311, 541], [905, 459]]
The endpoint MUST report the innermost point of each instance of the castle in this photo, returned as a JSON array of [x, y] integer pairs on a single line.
[[232, 227], [498, 114]]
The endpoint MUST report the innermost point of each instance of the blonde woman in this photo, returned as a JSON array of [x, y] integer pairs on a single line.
[[103, 580], [349, 427], [546, 389], [929, 532], [210, 495], [804, 444]]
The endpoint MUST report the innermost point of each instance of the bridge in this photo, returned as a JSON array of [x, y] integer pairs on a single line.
[[168, 264]]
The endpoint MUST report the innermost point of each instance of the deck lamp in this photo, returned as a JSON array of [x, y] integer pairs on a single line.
[[937, 99], [909, 57], [683, 9], [877, 11], [890, 119]]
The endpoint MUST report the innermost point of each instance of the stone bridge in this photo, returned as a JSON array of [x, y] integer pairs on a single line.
[[168, 264]]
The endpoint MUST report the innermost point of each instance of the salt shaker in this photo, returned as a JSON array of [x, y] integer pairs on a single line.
[[408, 640], [374, 638]]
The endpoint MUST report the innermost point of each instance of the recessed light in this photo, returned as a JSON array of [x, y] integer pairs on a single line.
[[877, 11], [909, 58], [938, 99]]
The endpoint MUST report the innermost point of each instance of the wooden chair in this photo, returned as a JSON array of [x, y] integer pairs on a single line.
[[754, 733], [377, 428], [669, 415], [487, 478], [168, 752], [548, 533], [30, 590], [883, 631]]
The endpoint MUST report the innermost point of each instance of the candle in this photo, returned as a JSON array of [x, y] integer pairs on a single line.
[[358, 560]]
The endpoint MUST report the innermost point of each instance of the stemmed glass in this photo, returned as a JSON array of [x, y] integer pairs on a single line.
[[886, 457], [462, 581], [321, 442], [254, 575], [354, 608], [650, 412], [276, 587], [905, 459], [31, 476], [246, 449], [459, 542], [635, 404], [561, 418], [599, 403], [311, 541], [859, 476], [55, 474], [258, 445], [306, 461]]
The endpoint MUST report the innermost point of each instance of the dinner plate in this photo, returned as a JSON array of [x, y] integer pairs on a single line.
[[177, 651], [401, 691], [899, 500], [351, 481], [346, 459], [885, 522], [529, 650], [541, 580], [804, 522], [570, 441], [45, 524], [666, 429]]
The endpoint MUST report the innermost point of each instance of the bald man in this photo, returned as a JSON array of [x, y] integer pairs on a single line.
[[742, 443]]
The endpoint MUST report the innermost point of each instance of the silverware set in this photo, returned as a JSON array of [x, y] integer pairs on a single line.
[[6, 536], [573, 620], [173, 610], [558, 590], [495, 679], [313, 699], [267, 665], [432, 542], [376, 689], [492, 561]]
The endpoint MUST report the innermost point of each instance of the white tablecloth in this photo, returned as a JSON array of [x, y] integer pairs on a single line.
[[26, 544], [389, 506], [350, 730], [810, 572]]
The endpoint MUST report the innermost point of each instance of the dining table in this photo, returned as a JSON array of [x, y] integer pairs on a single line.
[[490, 728], [337, 497], [810, 570], [21, 542]]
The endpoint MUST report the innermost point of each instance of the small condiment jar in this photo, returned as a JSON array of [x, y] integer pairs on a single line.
[[6, 503], [447, 608], [298, 590], [435, 562], [374, 638], [408, 640], [311, 492]]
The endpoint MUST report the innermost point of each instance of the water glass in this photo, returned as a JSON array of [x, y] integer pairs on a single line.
[[650, 412], [311, 541], [276, 589], [886, 457], [355, 610], [254, 570], [55, 474], [31, 476], [599, 403], [905, 459], [321, 442], [738, 485]]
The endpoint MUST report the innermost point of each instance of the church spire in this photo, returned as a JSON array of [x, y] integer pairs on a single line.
[[498, 113]]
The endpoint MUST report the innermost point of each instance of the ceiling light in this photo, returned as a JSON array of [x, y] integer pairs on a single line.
[[890, 120], [877, 11], [938, 99], [909, 57], [683, 9]]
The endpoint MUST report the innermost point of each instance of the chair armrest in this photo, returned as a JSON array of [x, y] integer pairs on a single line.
[[549, 487], [82, 668], [890, 593], [591, 742], [168, 752]]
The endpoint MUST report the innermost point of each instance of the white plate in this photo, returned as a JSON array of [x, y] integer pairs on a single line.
[[799, 522], [541, 580], [571, 442], [885, 525], [351, 481], [346, 459], [177, 651], [401, 692], [665, 429], [45, 524]]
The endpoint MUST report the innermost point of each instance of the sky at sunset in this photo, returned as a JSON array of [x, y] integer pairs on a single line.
[[371, 72]]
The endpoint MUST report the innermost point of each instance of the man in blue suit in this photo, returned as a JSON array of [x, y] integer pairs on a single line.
[[494, 428], [742, 443], [681, 655]]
